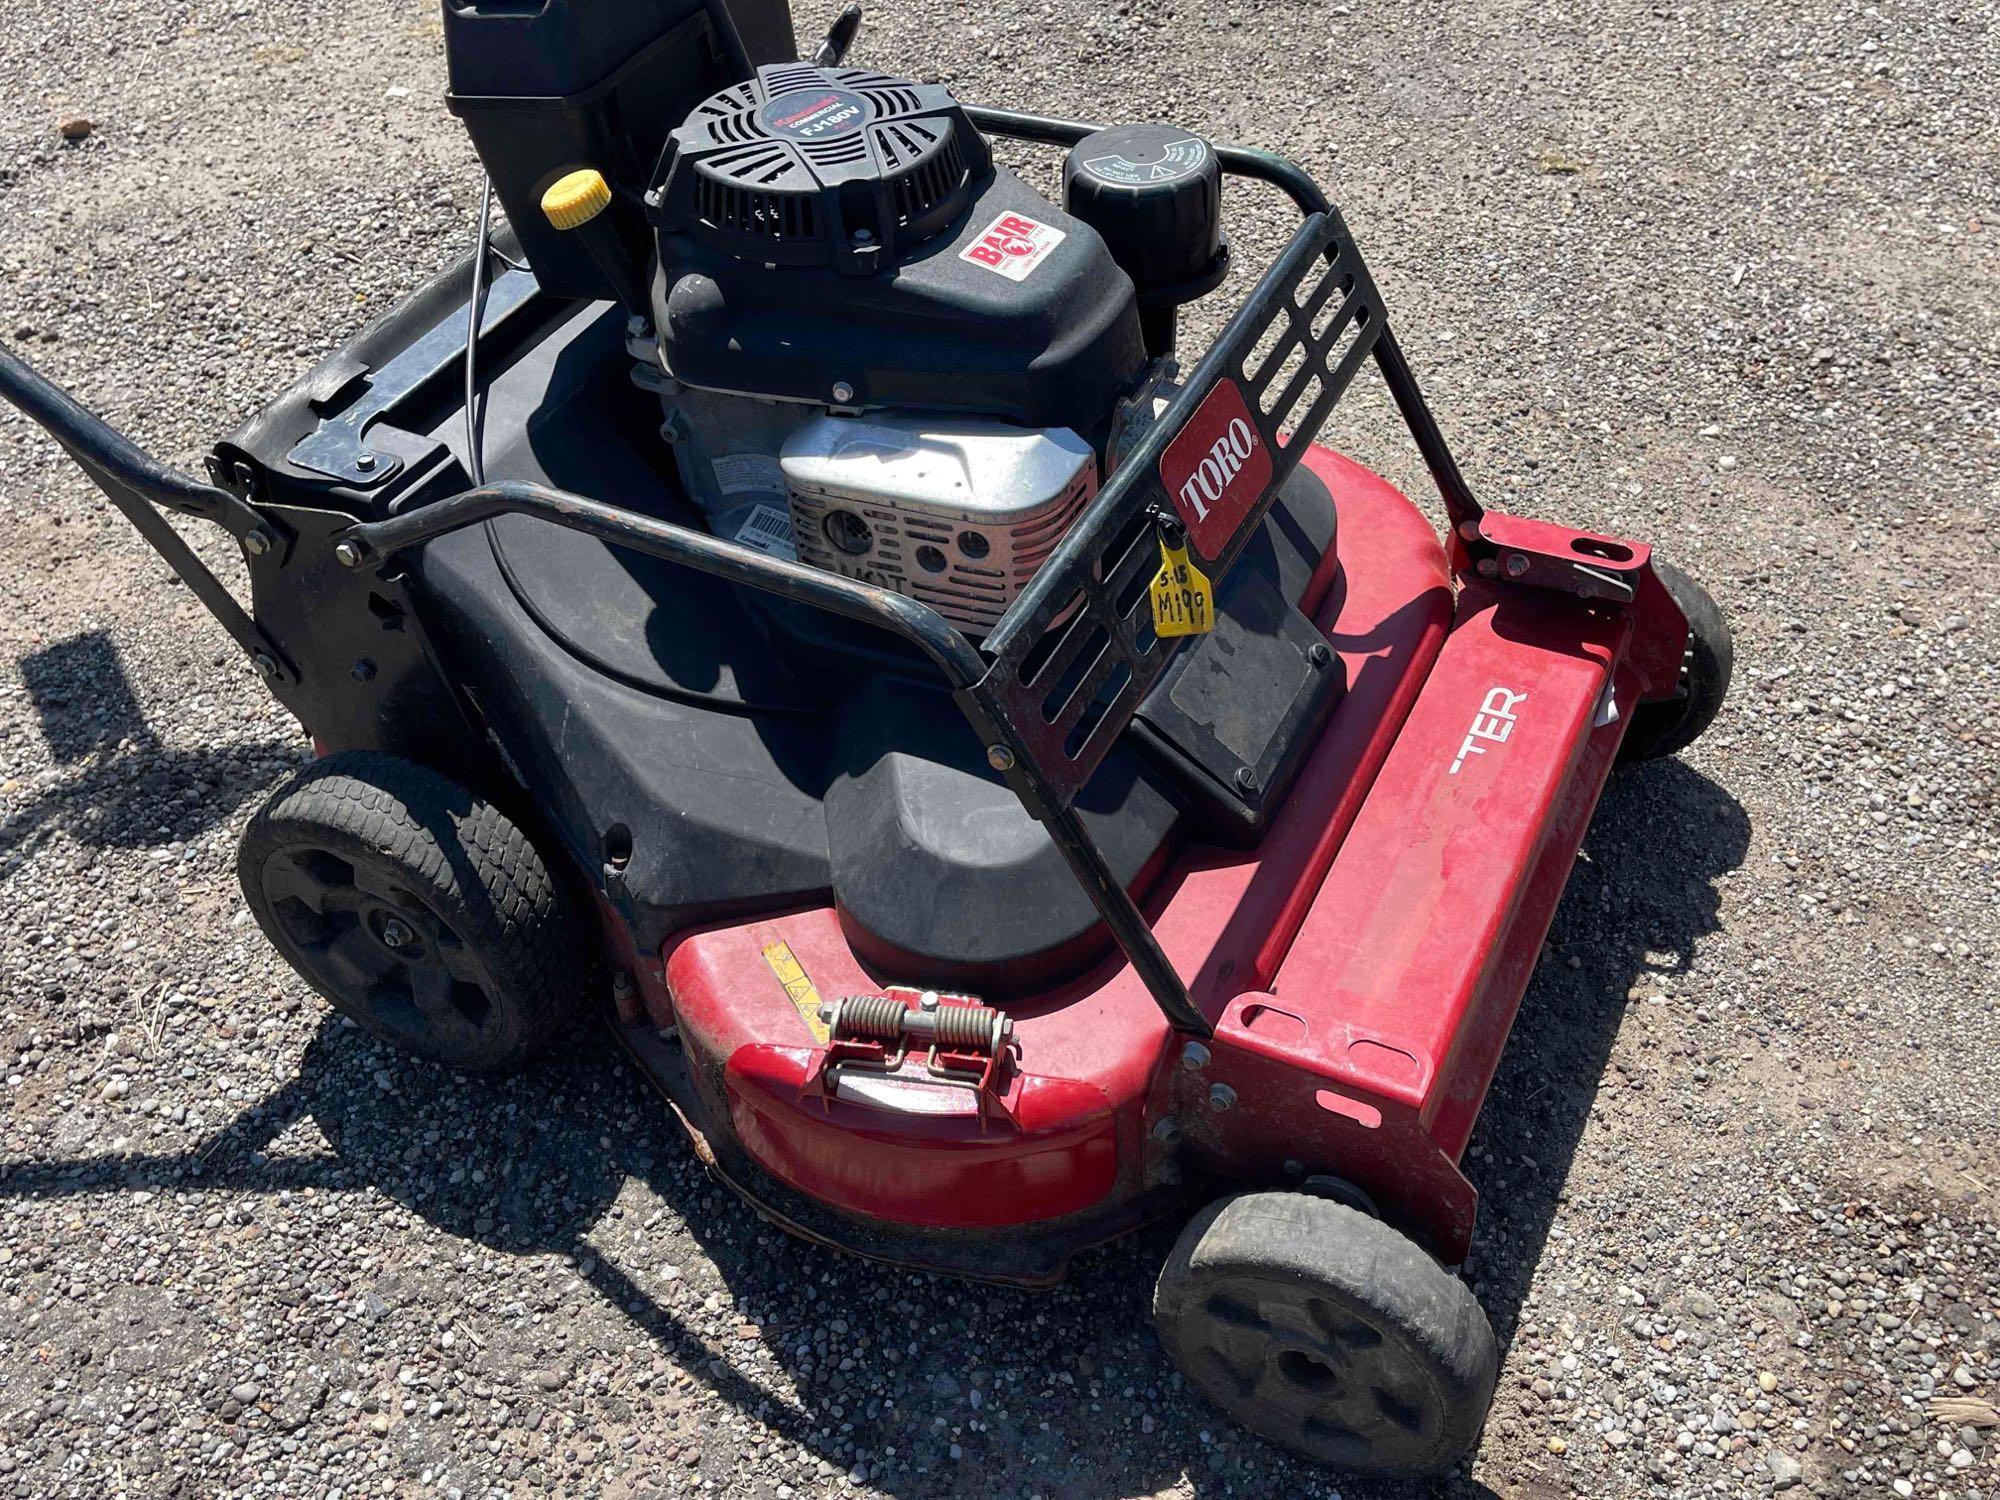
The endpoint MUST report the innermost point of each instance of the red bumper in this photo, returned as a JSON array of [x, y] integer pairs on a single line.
[[1363, 964]]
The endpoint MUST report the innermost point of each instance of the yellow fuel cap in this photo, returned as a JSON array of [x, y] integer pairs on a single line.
[[576, 199]]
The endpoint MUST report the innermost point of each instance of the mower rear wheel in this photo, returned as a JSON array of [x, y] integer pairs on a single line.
[[418, 909], [1328, 1332], [1669, 725]]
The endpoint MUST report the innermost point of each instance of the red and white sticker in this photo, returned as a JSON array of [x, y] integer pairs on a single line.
[[1013, 245], [1216, 468]]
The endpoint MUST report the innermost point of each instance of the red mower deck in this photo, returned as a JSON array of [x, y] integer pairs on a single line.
[[1361, 967]]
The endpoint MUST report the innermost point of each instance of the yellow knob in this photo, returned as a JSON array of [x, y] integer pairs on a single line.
[[577, 199]]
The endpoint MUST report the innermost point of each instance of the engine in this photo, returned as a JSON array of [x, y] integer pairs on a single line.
[[881, 354]]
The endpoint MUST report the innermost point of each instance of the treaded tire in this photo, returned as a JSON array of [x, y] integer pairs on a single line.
[[1328, 1332], [1672, 724], [417, 908]]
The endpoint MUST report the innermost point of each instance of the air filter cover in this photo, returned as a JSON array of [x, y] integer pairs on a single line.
[[810, 166]]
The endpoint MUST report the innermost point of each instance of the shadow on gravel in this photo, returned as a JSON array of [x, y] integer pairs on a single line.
[[1639, 901], [1074, 1399], [125, 790]]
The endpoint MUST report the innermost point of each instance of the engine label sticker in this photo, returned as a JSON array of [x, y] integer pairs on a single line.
[[1216, 468], [799, 989], [815, 115], [768, 530], [748, 474], [1178, 159], [1013, 245]]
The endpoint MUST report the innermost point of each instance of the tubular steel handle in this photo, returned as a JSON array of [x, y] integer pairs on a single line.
[[372, 543], [140, 486]]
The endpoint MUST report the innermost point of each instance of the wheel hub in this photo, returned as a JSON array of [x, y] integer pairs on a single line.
[[374, 949]]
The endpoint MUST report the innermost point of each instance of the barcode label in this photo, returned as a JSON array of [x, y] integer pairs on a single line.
[[767, 530]]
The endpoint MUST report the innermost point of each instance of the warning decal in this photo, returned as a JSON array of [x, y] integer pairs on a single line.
[[1178, 159], [799, 988], [1013, 245]]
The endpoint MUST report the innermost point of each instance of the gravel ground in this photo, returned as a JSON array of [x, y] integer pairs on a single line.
[[1719, 273]]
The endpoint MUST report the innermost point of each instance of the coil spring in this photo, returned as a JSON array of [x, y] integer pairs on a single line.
[[976, 1028]]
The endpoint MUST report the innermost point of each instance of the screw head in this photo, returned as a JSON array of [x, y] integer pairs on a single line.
[[1194, 1057], [365, 462], [1517, 564], [396, 934], [1221, 1096], [348, 554], [843, 392], [257, 541], [999, 757], [266, 663], [1246, 779], [1168, 1131], [928, 1000], [1320, 654]]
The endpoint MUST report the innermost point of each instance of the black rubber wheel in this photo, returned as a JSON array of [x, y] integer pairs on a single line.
[[1328, 1332], [416, 908], [1670, 725]]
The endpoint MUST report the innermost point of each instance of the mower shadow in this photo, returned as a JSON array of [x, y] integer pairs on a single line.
[[124, 789], [574, 1158]]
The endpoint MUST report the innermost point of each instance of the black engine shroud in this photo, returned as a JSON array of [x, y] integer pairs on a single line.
[[830, 234]]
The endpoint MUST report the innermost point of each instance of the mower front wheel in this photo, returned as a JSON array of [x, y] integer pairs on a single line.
[[1669, 725], [417, 908], [1328, 1332]]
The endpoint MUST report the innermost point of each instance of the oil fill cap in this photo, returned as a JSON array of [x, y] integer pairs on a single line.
[[575, 200]]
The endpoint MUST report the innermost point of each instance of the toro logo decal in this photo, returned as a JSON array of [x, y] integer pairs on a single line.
[[1492, 725], [1216, 468], [1013, 245]]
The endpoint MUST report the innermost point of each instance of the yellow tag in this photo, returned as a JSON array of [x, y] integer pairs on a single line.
[[799, 987], [1183, 602]]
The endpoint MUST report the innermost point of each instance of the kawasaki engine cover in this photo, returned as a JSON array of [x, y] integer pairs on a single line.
[[807, 166]]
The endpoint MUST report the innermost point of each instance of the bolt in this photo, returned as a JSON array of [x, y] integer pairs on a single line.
[[1517, 564], [862, 236], [999, 757], [635, 327], [265, 663], [1246, 780], [257, 541], [1469, 530], [826, 1012], [1168, 1131], [843, 392], [1221, 1096], [1488, 568], [396, 934], [1295, 1169], [365, 462], [1320, 654], [362, 671], [348, 554], [621, 985], [1194, 1057], [928, 1000]]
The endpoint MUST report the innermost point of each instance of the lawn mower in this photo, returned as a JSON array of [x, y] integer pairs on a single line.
[[1004, 784]]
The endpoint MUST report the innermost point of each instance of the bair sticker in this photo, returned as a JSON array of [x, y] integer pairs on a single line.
[[1013, 245], [1216, 468]]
